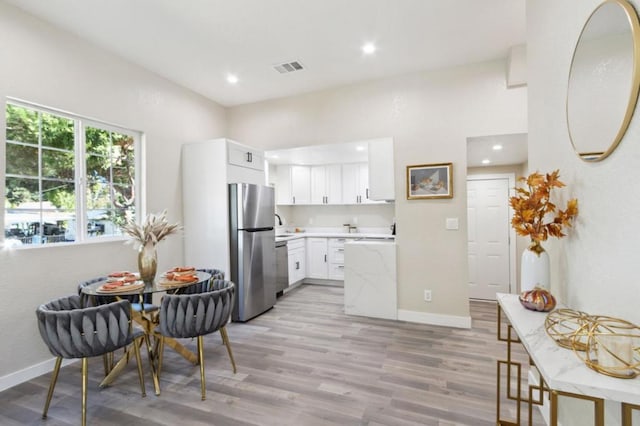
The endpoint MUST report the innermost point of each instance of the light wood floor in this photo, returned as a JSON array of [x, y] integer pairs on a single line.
[[302, 363]]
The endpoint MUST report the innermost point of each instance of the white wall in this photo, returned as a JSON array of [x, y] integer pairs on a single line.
[[594, 269], [41, 64], [430, 115], [609, 218]]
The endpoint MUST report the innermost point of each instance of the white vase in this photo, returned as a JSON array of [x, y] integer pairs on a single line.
[[534, 268]]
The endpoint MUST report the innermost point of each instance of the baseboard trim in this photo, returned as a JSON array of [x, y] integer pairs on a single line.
[[26, 374], [319, 281], [434, 319]]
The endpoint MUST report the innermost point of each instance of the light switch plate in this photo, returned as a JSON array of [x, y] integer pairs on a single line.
[[452, 223]]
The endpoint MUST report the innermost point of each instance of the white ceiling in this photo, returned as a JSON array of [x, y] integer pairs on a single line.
[[514, 150], [195, 43]]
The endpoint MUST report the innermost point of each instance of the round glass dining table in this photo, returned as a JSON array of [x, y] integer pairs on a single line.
[[148, 320], [158, 285]]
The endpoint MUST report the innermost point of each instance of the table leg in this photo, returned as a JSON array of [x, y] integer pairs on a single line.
[[153, 361], [113, 373], [178, 347]]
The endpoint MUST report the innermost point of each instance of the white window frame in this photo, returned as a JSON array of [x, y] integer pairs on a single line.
[[80, 124]]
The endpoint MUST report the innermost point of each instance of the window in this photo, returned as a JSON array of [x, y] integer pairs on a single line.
[[67, 178]]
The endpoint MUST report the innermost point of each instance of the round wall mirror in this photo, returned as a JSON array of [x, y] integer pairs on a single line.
[[603, 80]]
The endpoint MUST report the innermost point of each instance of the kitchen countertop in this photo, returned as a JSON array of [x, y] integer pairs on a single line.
[[374, 241], [298, 235]]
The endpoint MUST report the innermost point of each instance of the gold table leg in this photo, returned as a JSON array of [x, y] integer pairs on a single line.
[[182, 350], [627, 414], [510, 364], [117, 369], [598, 403], [598, 407]]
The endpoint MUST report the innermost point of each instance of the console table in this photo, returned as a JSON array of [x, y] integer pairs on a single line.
[[561, 372]]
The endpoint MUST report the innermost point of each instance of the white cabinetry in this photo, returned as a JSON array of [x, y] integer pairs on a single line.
[[336, 258], [381, 170], [326, 184], [297, 260], [355, 183], [317, 261], [245, 156], [294, 185], [207, 169], [325, 258]]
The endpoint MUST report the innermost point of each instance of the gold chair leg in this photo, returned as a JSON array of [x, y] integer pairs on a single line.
[[85, 382], [105, 361], [52, 385], [136, 348], [227, 343], [160, 355], [201, 361]]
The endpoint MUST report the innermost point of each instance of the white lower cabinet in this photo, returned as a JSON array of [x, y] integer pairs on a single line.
[[297, 260], [319, 258], [325, 258], [336, 258], [317, 261]]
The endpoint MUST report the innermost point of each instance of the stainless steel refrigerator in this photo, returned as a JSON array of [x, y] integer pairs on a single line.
[[253, 253]]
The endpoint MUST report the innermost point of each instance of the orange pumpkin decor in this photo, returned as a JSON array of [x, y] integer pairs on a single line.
[[538, 299]]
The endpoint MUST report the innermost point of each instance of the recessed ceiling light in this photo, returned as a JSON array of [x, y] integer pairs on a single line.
[[359, 148], [274, 156], [368, 48], [232, 78], [486, 161], [497, 147]]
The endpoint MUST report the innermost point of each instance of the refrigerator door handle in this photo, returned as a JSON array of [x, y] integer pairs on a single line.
[[269, 228]]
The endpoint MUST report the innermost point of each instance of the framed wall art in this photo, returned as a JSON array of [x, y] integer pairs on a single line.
[[427, 181]]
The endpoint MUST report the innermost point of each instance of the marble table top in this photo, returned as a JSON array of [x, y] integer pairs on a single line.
[[560, 367]]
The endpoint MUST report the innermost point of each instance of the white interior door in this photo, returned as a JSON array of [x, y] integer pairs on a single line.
[[488, 237]]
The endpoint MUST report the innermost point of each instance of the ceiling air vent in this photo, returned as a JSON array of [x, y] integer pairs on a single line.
[[288, 67]]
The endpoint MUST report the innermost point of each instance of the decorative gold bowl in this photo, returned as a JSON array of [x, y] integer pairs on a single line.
[[562, 324], [612, 346]]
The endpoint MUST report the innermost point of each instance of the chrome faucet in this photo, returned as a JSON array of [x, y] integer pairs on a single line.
[[279, 220]]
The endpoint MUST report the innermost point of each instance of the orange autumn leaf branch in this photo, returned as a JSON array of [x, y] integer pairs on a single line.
[[531, 206]]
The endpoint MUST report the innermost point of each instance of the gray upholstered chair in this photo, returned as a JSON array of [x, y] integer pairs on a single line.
[[73, 331], [195, 315], [216, 274], [88, 301]]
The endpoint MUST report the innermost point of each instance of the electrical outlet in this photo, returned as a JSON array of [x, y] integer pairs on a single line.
[[427, 295]]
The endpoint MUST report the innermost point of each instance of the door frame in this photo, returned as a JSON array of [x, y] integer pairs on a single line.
[[513, 284]]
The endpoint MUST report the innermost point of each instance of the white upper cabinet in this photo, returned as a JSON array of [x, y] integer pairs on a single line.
[[355, 183], [347, 173], [283, 185], [381, 170], [326, 184], [294, 185], [244, 156]]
